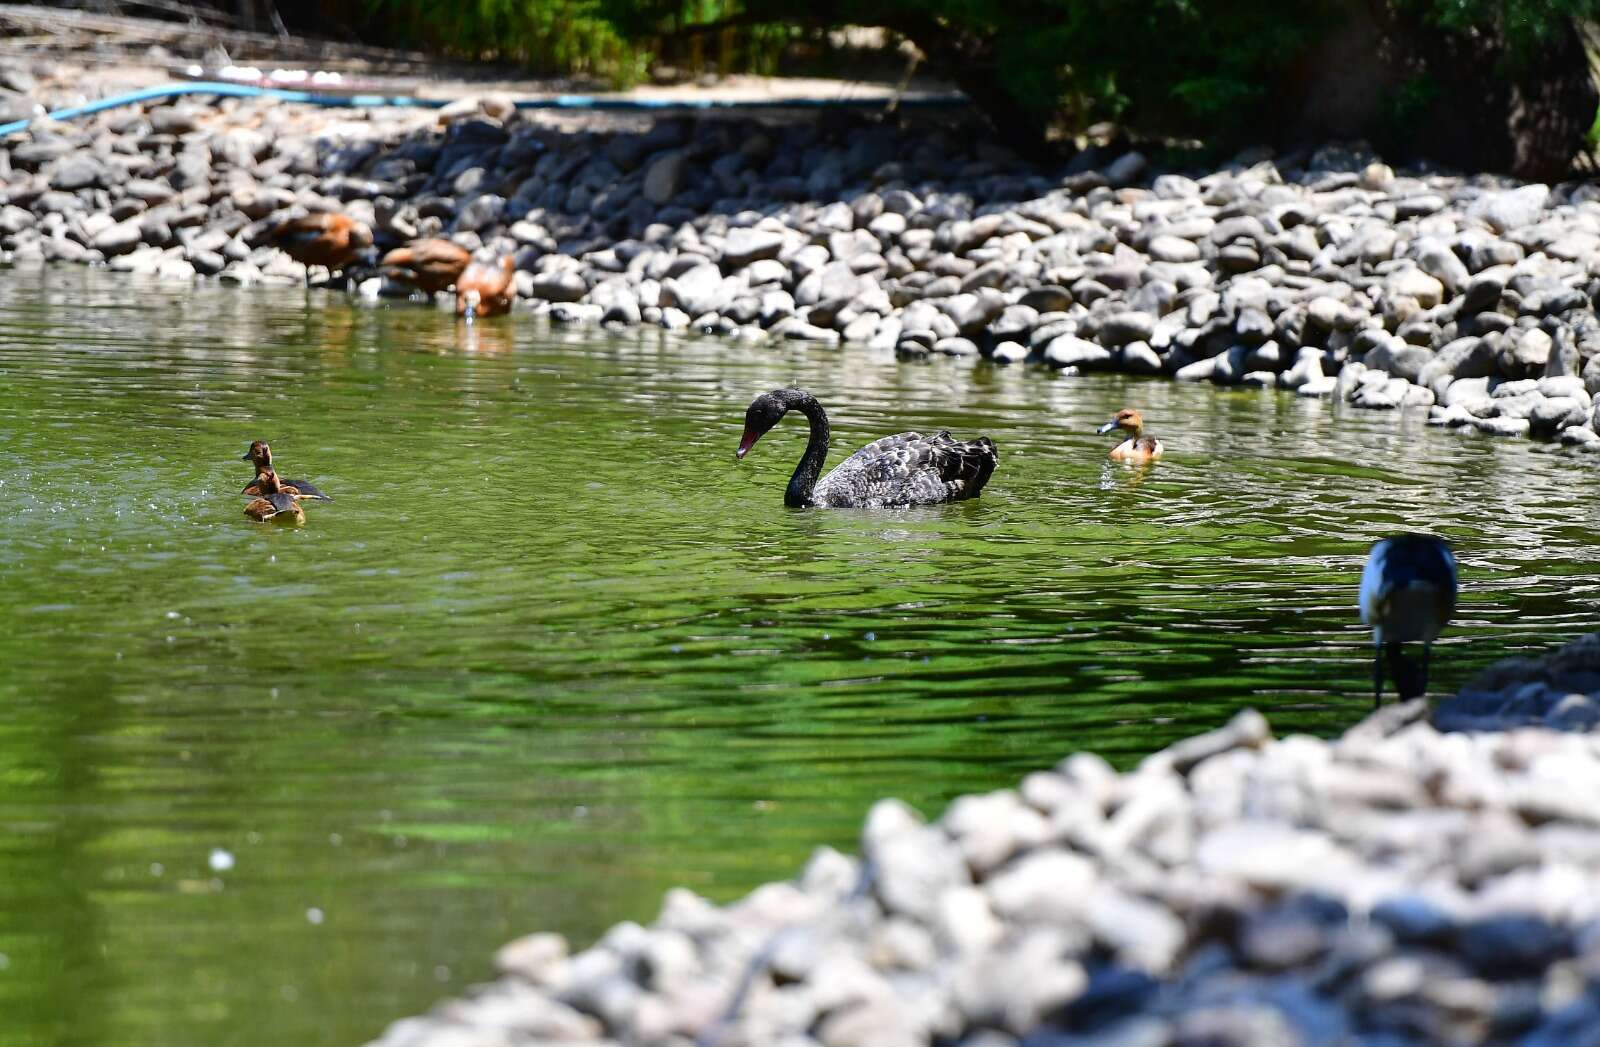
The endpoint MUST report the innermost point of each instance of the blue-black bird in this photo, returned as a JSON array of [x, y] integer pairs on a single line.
[[1408, 593]]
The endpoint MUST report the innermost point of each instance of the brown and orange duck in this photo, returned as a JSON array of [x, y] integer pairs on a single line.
[[430, 265], [1136, 446], [276, 502], [486, 289], [332, 241], [260, 455]]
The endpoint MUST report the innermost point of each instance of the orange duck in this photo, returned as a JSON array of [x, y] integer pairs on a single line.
[[260, 455], [332, 241], [431, 265], [275, 503], [1136, 445], [485, 289]]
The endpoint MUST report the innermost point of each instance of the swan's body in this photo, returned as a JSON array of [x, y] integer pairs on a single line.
[[894, 472], [1408, 593], [1137, 447]]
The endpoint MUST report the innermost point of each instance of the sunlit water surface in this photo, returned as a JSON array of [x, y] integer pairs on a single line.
[[552, 651]]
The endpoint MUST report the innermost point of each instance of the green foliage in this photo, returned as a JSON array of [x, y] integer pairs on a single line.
[[548, 36], [1525, 25], [1217, 69], [596, 38]]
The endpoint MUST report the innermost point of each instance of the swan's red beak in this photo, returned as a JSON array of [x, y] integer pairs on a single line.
[[749, 441]]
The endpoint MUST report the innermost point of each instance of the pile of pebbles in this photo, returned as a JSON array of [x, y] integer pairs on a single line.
[[1398, 885], [1560, 690], [1324, 271]]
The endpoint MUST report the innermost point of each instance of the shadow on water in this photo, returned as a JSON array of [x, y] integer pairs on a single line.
[[552, 650]]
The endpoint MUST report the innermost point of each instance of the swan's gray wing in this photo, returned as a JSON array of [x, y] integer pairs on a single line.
[[908, 469]]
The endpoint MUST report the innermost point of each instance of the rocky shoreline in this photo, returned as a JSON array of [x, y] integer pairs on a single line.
[[1324, 272], [1403, 884]]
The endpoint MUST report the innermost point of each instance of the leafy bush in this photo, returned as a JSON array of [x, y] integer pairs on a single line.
[[1221, 70]]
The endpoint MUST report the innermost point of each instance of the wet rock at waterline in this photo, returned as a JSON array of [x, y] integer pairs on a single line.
[[1323, 272], [1399, 883]]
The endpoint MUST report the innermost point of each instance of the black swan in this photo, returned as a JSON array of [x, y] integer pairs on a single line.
[[896, 471]]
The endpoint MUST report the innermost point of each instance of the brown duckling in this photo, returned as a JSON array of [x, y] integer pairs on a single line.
[[1137, 447], [431, 265], [332, 241], [260, 455], [486, 290], [275, 503]]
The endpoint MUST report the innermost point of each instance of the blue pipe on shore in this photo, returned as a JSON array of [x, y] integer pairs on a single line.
[[227, 90]]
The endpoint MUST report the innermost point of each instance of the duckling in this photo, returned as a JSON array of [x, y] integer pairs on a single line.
[[431, 265], [485, 290], [332, 241], [1137, 447], [1408, 593], [275, 502], [260, 455]]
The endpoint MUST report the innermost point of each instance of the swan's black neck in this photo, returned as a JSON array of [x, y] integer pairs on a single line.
[[810, 468]]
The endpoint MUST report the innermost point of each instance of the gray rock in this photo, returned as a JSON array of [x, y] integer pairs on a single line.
[[1331, 314], [914, 864], [955, 346], [1350, 379], [1138, 358], [1009, 353], [1524, 352], [484, 211], [173, 119], [1048, 299], [1511, 209], [576, 313], [1307, 368], [665, 177], [1484, 292], [1121, 328], [1127, 168], [1438, 261], [1071, 351], [744, 246], [78, 171], [1397, 357], [1512, 945], [1414, 283], [1565, 385], [1468, 357], [1318, 387], [119, 238], [697, 291], [1173, 249], [564, 285], [1502, 426], [1564, 359], [1552, 414], [1385, 395], [1198, 371]]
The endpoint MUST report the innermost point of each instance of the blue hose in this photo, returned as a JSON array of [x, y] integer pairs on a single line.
[[227, 90]]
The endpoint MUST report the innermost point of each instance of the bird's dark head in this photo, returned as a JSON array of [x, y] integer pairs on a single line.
[[259, 454], [764, 412]]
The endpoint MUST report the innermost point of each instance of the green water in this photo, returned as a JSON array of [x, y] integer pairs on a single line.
[[552, 651]]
